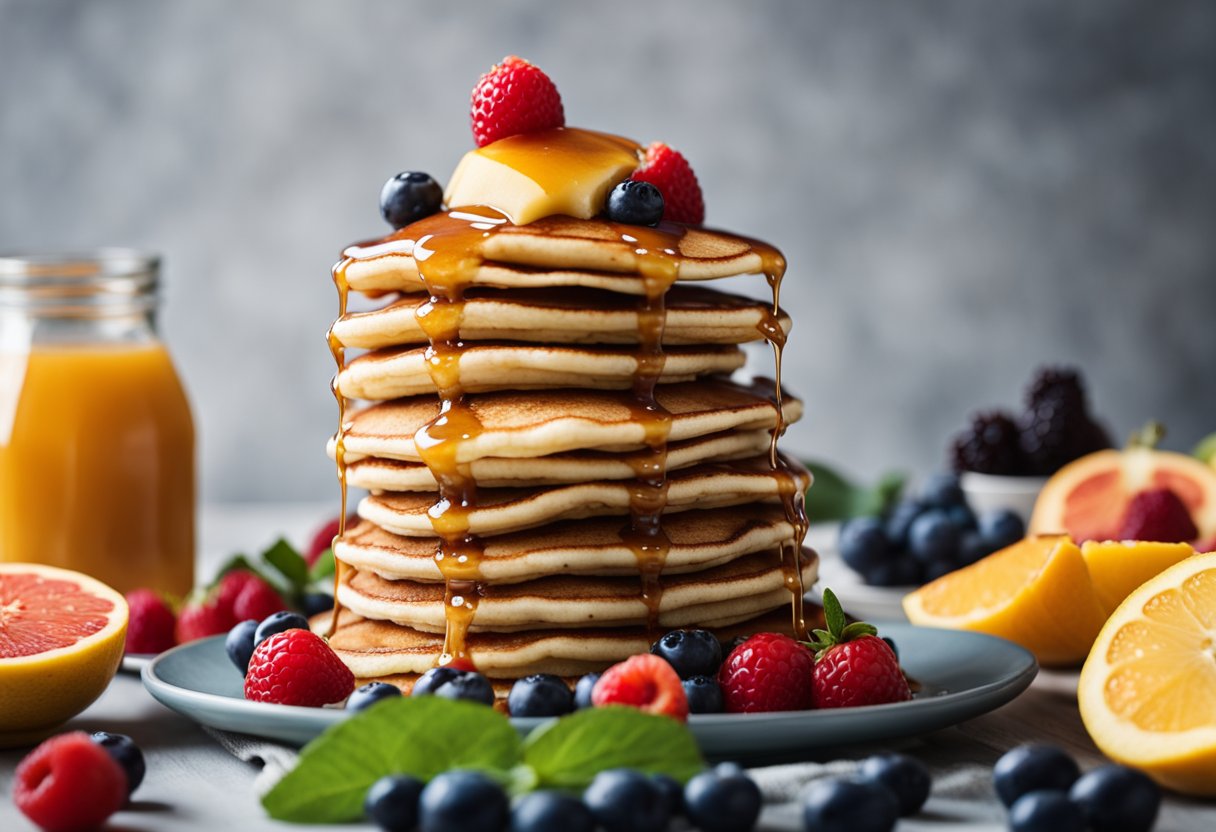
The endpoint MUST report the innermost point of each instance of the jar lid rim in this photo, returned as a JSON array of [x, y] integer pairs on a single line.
[[101, 263]]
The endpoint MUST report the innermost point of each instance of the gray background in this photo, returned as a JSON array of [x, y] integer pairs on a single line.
[[963, 189]]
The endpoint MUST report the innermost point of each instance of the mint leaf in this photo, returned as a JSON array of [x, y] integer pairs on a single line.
[[420, 736], [568, 752], [322, 567], [833, 496], [284, 557]]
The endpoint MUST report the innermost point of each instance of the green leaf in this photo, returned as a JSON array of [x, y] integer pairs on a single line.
[[833, 613], [833, 496], [1205, 451], [290, 563], [233, 563], [568, 752], [419, 736], [322, 567], [858, 629]]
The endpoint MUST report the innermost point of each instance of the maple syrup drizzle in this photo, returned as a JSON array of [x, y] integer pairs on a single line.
[[338, 351], [659, 266], [793, 500]]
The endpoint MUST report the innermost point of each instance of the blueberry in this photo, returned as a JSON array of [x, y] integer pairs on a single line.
[[408, 197], [837, 805], [673, 793], [624, 800], [1029, 768], [905, 777], [239, 644], [863, 543], [126, 753], [315, 603], [392, 802], [1045, 810], [469, 686], [704, 695], [433, 679], [1001, 528], [933, 537], [962, 518], [635, 202], [716, 802], [903, 571], [367, 695], [943, 491], [541, 694], [551, 812], [728, 769], [462, 800], [582, 690], [900, 520], [937, 567], [690, 652], [972, 547], [278, 622], [1117, 799]]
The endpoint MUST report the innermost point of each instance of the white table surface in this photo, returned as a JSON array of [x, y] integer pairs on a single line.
[[193, 784]]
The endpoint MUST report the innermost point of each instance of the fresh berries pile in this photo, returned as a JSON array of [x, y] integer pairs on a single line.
[[73, 781], [670, 172], [514, 97], [1043, 788], [1054, 429], [923, 538]]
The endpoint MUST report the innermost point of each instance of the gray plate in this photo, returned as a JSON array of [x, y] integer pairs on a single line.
[[962, 675]]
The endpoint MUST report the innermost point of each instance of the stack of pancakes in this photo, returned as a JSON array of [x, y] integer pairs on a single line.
[[559, 465]]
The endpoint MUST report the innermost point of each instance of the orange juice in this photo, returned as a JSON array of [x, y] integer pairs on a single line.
[[97, 463]]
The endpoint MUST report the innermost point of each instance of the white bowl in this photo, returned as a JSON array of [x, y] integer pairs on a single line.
[[990, 492]]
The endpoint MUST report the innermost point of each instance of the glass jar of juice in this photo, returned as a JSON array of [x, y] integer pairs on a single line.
[[96, 436]]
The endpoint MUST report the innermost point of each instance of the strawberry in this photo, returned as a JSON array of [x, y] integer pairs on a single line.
[[1158, 514], [231, 585], [853, 666], [69, 783], [768, 672], [646, 682], [670, 172], [324, 538], [297, 667], [150, 622], [257, 599], [201, 617], [514, 97]]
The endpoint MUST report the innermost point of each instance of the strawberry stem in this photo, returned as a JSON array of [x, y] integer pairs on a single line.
[[839, 629], [1148, 437]]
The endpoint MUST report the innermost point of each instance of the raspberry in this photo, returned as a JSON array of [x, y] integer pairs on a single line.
[[297, 667], [150, 622], [645, 682], [258, 600], [514, 97], [1158, 514], [853, 666], [203, 617], [989, 445], [670, 172], [69, 783], [768, 672]]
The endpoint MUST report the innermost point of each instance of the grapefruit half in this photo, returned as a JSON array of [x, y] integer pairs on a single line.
[[61, 641], [1087, 498]]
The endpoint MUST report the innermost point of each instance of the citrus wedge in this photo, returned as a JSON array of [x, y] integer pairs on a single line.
[[1118, 566], [1036, 592], [61, 640], [1147, 689]]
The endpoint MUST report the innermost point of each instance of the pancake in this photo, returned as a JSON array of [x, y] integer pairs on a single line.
[[375, 474], [380, 649], [392, 373], [540, 423], [500, 510], [560, 251], [695, 315], [743, 587], [699, 540]]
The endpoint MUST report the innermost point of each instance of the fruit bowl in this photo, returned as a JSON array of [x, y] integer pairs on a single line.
[[992, 492]]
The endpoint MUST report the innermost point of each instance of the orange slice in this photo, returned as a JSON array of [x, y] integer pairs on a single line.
[[1036, 592], [1088, 497], [1118, 566], [1147, 689], [61, 640]]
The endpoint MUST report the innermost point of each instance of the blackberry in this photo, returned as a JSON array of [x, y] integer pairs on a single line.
[[989, 445], [1056, 431], [1056, 382]]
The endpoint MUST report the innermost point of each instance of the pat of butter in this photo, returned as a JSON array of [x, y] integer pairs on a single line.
[[533, 175]]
